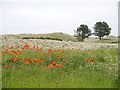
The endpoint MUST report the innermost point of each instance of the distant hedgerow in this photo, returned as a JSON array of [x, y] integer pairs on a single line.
[[42, 38]]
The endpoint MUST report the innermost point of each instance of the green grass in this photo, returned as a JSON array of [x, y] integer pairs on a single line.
[[76, 73]]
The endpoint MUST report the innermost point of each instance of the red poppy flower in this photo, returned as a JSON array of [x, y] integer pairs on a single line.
[[86, 60], [42, 60], [5, 66], [59, 66], [62, 51], [83, 53], [16, 58], [91, 58], [92, 63], [27, 62], [51, 66], [0, 54], [23, 60], [54, 63]]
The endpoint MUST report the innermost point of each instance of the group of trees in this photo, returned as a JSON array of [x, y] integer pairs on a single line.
[[101, 29]]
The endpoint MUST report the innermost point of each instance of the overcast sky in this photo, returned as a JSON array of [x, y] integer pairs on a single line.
[[46, 16]]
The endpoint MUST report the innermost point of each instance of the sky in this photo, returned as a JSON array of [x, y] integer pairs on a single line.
[[47, 16]]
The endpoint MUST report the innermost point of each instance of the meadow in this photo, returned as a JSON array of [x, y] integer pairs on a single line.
[[58, 64]]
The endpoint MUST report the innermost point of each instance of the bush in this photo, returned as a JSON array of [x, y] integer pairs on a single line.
[[42, 38]]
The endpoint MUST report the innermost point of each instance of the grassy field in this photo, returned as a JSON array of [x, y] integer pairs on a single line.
[[38, 63], [37, 67]]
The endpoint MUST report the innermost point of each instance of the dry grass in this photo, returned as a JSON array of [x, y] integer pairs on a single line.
[[69, 42]]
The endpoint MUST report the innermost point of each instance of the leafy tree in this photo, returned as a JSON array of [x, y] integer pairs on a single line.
[[101, 29], [83, 32]]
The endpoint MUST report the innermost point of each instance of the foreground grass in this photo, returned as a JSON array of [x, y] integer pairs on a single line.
[[75, 72]]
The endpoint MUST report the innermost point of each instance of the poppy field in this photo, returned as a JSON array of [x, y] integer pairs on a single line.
[[27, 66]]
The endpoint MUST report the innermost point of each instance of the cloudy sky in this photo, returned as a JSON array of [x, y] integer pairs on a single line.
[[46, 16]]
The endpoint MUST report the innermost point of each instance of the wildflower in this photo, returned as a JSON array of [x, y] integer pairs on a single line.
[[15, 52], [54, 63], [91, 58], [83, 53], [42, 60], [62, 51], [19, 52], [0, 54], [14, 61], [35, 60], [10, 53], [27, 62], [86, 60], [26, 46], [39, 49], [92, 63], [29, 59], [59, 66], [41, 67], [23, 60], [6, 66], [37, 63], [16, 58], [44, 54], [51, 66]]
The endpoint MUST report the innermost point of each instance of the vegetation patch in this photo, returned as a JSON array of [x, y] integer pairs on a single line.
[[36, 67], [42, 38]]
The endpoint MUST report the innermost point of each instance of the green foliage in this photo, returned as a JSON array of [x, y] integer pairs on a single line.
[[42, 38], [101, 29], [83, 31], [76, 73]]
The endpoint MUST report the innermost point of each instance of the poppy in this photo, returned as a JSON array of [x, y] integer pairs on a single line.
[[16, 58], [29, 59], [92, 63], [41, 67], [62, 51], [86, 60], [36, 63], [5, 66], [14, 61], [54, 63], [83, 53], [44, 54], [26, 46], [35, 60], [23, 60], [59, 66], [42, 60], [39, 49], [51, 66], [0, 54], [27, 62], [91, 58]]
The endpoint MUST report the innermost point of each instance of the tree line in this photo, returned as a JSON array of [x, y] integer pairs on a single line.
[[101, 29]]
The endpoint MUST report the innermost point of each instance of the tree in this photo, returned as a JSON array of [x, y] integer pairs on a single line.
[[83, 31], [101, 29]]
